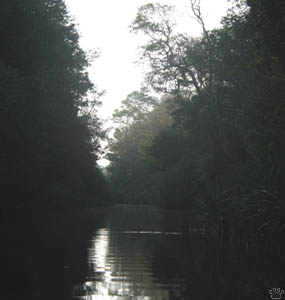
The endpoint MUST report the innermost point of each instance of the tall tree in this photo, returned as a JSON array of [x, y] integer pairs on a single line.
[[49, 144], [141, 118], [224, 150]]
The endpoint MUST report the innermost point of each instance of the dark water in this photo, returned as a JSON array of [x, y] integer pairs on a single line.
[[123, 258], [122, 264], [146, 253], [138, 253]]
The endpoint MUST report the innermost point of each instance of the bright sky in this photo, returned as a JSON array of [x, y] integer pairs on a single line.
[[104, 25]]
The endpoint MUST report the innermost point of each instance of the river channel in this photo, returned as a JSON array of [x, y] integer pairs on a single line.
[[144, 253], [133, 253], [135, 256]]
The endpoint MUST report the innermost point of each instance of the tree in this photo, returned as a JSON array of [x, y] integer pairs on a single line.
[[166, 52], [134, 109], [221, 134], [132, 177], [49, 144]]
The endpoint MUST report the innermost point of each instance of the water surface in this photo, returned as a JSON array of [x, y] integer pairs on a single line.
[[134, 258], [133, 252]]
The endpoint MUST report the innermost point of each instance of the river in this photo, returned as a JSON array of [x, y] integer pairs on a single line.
[[133, 253], [134, 256], [144, 253]]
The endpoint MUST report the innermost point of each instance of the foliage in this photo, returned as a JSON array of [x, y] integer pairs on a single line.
[[49, 144], [141, 119], [223, 153]]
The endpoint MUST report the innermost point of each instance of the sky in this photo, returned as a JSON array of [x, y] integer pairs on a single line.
[[104, 26]]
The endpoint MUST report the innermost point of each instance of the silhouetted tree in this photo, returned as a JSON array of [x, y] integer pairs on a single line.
[[49, 142], [223, 155]]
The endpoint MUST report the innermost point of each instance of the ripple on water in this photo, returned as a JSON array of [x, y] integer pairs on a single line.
[[121, 266]]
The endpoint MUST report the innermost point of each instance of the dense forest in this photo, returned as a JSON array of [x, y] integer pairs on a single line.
[[50, 139], [213, 141], [49, 133], [197, 159]]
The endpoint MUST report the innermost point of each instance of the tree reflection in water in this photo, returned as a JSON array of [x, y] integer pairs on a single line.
[[120, 266], [129, 260]]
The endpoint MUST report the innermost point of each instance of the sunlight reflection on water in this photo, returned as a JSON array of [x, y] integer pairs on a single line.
[[120, 267]]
